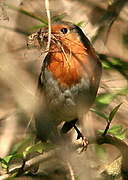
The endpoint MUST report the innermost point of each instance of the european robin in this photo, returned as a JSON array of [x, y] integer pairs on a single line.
[[68, 81]]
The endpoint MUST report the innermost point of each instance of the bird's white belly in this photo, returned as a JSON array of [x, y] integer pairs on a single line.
[[67, 104]]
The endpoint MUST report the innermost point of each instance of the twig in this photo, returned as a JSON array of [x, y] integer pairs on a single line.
[[106, 129], [71, 171], [98, 139], [49, 24], [28, 164]]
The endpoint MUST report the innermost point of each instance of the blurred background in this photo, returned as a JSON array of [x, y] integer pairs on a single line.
[[105, 23]]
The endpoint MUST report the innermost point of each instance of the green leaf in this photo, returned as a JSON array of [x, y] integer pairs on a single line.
[[39, 147], [117, 130], [121, 136], [37, 27], [4, 164], [113, 112], [105, 99], [106, 65], [34, 148], [58, 17], [19, 147], [6, 160], [80, 23]]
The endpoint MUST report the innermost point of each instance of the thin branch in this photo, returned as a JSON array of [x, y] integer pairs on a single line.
[[98, 139], [106, 129], [71, 171], [46, 156], [49, 24]]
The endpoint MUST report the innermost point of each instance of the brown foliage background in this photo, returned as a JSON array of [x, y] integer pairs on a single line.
[[19, 69]]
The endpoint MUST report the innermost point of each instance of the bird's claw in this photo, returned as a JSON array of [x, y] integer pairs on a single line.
[[84, 143], [84, 140]]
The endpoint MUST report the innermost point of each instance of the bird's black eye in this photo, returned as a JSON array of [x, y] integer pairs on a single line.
[[64, 30]]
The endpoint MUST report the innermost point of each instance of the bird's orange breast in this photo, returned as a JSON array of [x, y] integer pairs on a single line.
[[67, 63]]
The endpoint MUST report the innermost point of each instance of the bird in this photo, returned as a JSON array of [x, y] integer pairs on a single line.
[[68, 81]]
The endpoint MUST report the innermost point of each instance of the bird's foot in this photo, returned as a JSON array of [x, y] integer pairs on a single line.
[[84, 140]]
